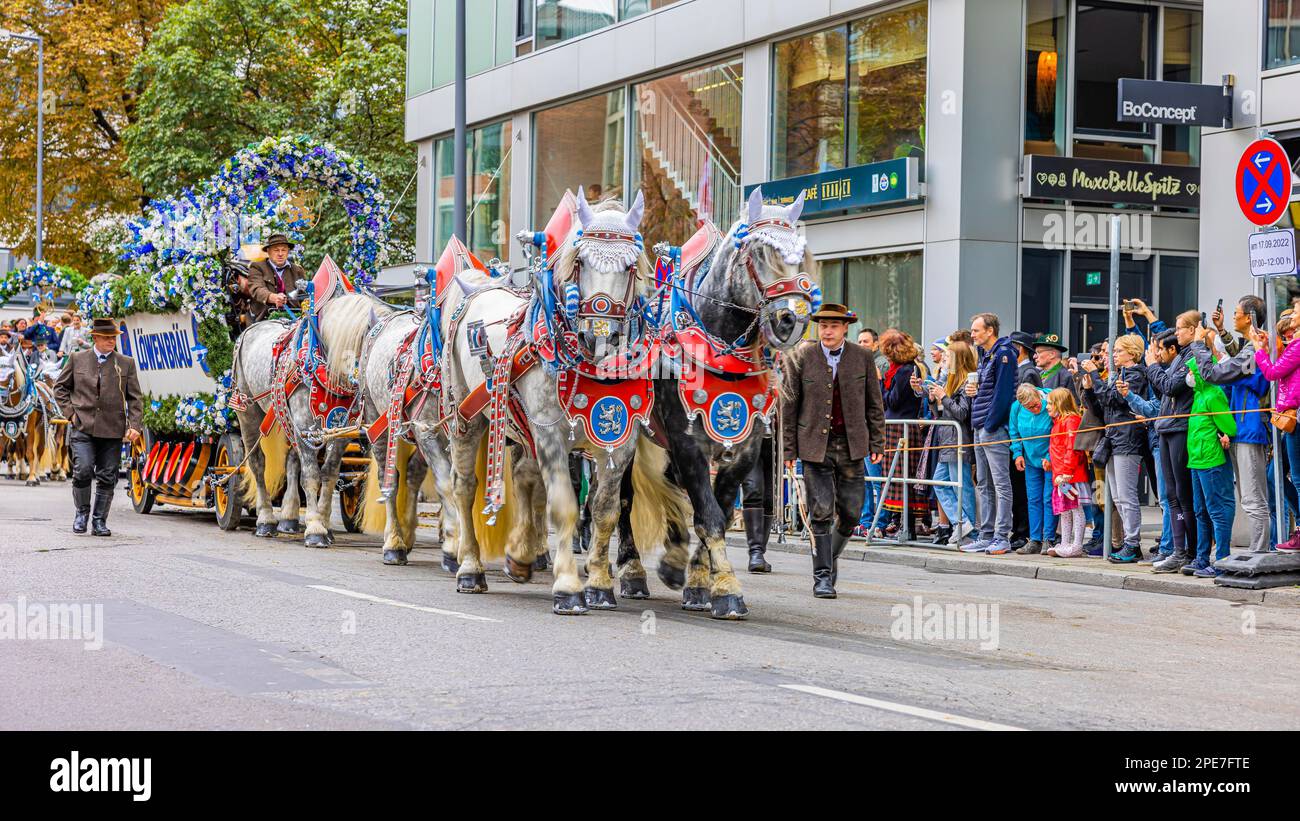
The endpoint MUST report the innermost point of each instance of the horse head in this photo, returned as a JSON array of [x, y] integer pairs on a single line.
[[603, 272], [769, 269], [13, 378]]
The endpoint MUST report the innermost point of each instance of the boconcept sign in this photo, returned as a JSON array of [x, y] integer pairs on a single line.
[[1157, 101]]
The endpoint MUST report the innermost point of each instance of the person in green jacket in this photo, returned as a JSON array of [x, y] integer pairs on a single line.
[[1212, 495], [1029, 418]]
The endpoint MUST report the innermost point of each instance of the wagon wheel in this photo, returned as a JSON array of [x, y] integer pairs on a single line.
[[142, 496], [352, 506], [226, 494]]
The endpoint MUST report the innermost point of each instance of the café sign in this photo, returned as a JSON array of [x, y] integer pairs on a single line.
[[860, 186], [1111, 181]]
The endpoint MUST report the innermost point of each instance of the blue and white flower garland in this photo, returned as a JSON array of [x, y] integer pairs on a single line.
[[43, 277]]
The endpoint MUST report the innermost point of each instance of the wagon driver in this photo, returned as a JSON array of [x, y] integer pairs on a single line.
[[271, 278]]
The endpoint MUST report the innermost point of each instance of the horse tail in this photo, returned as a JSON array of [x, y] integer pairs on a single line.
[[275, 450], [375, 515], [656, 502], [492, 538]]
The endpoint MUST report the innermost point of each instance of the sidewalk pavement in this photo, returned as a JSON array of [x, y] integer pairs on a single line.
[[1093, 571]]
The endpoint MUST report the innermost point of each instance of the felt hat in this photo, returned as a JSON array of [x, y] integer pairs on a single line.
[[1050, 340], [834, 310], [103, 326], [277, 239]]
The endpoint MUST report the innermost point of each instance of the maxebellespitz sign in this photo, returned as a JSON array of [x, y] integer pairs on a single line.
[[1109, 181]]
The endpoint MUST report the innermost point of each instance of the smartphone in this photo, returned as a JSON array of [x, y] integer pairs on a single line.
[[1204, 324], [1219, 308], [1130, 305]]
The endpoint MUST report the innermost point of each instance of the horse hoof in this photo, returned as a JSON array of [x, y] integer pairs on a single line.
[[265, 530], [449, 563], [471, 583], [542, 562], [316, 540], [598, 599], [397, 557], [634, 588], [329, 538], [674, 578], [569, 604], [33, 482], [731, 608], [289, 527], [518, 573], [695, 598]]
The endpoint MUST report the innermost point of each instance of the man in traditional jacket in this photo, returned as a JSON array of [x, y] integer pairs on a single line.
[[100, 394]]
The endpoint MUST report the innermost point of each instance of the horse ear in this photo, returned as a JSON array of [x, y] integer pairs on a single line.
[[755, 205], [584, 210], [636, 212], [793, 212]]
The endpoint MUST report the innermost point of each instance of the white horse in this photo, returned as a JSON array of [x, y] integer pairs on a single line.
[[395, 337], [343, 322], [586, 305]]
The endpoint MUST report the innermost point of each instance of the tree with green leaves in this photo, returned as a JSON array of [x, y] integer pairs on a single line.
[[221, 74]]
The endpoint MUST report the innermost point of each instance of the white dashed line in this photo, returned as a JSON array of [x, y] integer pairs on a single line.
[[395, 603], [905, 709]]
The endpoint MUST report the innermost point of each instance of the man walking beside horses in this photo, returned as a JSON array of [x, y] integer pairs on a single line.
[[832, 417], [99, 392]]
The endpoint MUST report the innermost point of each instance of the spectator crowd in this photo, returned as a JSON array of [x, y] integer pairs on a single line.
[[1184, 418], [45, 340]]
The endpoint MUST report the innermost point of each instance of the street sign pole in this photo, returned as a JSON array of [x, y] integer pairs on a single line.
[[1270, 299], [1112, 333]]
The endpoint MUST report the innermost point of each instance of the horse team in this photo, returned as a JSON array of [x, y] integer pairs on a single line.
[[666, 383]]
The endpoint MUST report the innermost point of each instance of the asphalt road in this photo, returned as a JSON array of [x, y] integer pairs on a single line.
[[206, 630]]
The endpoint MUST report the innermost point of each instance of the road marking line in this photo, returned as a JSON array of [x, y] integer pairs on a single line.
[[905, 709], [395, 603]]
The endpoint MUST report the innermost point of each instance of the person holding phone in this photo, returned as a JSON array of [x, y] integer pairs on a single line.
[[1171, 384], [1285, 371], [1247, 390], [950, 401]]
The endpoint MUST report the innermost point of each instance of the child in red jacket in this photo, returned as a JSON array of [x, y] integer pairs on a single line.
[[1070, 485]]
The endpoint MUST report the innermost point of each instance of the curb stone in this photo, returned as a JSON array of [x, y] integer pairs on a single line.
[[1126, 579]]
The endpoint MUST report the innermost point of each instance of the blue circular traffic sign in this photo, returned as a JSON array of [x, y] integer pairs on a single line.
[[1263, 182]]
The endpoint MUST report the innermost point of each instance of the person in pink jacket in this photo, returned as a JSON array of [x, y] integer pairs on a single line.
[[1286, 373]]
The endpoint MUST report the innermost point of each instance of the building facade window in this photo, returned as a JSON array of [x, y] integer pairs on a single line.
[[1040, 290], [1181, 63], [850, 95], [558, 20], [1110, 42], [1281, 33], [431, 45], [884, 290], [488, 166], [685, 154], [578, 144], [1045, 73]]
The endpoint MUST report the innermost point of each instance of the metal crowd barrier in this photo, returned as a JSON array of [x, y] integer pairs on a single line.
[[904, 535]]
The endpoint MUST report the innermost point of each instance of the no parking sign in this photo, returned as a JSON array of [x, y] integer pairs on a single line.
[[1263, 182]]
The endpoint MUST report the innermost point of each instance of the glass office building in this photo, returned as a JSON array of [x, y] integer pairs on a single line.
[[958, 150]]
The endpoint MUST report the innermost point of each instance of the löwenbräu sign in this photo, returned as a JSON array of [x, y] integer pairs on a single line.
[[1112, 181]]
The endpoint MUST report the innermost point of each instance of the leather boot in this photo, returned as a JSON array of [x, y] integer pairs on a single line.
[[757, 528], [838, 540], [99, 516], [823, 566], [81, 501]]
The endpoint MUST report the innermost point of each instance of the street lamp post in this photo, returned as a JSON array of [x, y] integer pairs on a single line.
[[40, 132]]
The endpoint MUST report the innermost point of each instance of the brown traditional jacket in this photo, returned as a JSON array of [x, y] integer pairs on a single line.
[[262, 283], [100, 400], [807, 400]]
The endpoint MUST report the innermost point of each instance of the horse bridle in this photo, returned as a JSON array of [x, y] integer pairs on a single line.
[[797, 292], [601, 314]]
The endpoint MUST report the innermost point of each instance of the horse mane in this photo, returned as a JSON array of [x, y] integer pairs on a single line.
[[566, 262], [764, 255], [344, 322]]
